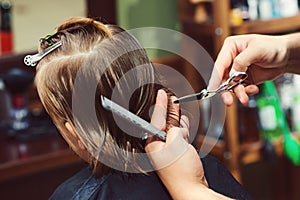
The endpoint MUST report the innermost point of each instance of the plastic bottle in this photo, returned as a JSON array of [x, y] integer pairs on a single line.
[[295, 107], [274, 124], [270, 112], [6, 27], [265, 9], [253, 9], [239, 12], [286, 92], [276, 8], [288, 8]]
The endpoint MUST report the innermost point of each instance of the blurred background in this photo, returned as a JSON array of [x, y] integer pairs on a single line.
[[255, 140]]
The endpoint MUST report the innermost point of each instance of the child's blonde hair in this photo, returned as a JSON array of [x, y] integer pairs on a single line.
[[89, 43]]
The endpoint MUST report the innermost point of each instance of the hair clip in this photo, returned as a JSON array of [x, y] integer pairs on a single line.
[[31, 60], [48, 40]]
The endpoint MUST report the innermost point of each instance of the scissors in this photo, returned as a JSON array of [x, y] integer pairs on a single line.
[[234, 80]]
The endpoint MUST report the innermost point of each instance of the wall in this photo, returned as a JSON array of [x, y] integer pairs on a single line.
[[33, 19], [144, 13]]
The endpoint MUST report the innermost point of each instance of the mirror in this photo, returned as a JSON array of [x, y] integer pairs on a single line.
[[34, 19]]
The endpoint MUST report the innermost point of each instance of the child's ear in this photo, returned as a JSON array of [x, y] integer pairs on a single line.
[[71, 129]]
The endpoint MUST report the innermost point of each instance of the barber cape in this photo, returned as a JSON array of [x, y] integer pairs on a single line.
[[121, 185]]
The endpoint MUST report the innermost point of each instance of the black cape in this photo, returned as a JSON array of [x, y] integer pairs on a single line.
[[121, 185]]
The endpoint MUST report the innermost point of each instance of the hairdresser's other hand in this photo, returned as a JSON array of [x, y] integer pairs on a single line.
[[176, 161], [262, 57]]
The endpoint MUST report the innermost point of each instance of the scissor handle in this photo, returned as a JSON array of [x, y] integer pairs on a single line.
[[234, 80]]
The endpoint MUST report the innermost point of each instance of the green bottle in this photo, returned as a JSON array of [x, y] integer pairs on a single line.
[[274, 125], [271, 115]]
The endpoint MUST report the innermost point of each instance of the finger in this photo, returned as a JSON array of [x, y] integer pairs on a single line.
[[158, 118], [219, 74], [176, 133], [251, 89], [154, 145], [223, 62], [164, 154], [173, 114], [244, 59], [241, 94], [186, 134], [184, 122], [227, 98]]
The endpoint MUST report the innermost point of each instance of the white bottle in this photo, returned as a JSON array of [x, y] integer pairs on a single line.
[[253, 9], [289, 8], [265, 9], [295, 108]]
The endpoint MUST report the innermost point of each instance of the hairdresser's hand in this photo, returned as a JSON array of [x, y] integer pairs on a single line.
[[263, 57], [176, 161]]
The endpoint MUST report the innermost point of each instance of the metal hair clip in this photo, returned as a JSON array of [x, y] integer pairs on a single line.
[[32, 60]]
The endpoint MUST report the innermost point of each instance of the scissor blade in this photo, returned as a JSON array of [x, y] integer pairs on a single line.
[[191, 97]]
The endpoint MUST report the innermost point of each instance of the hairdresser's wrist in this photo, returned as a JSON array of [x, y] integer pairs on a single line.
[[197, 191], [187, 191], [293, 52]]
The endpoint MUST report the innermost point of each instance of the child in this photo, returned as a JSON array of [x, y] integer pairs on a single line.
[[90, 59]]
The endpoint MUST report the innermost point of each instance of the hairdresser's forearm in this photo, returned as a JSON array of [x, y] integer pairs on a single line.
[[293, 46]]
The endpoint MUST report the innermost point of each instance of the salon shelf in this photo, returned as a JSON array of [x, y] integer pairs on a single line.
[[37, 164], [20, 158], [252, 152], [198, 28], [255, 26], [34, 167], [272, 26]]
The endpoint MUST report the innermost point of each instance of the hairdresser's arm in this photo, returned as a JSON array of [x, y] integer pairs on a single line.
[[183, 174], [263, 57]]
